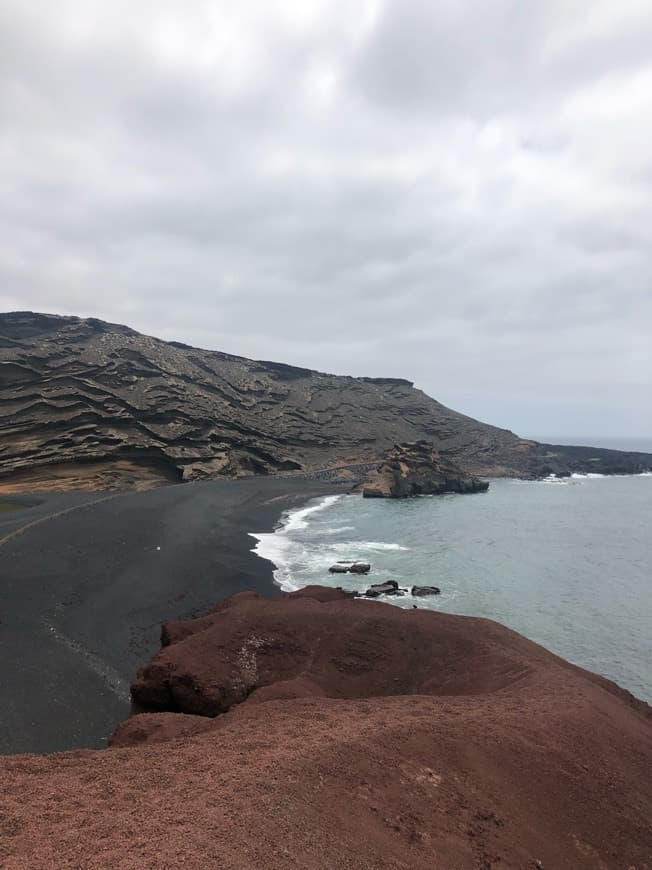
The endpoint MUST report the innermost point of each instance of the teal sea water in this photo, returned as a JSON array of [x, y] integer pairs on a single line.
[[567, 563]]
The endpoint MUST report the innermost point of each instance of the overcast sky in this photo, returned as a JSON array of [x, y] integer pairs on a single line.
[[457, 192]]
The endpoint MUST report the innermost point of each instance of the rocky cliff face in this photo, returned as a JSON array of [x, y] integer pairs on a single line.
[[417, 469], [88, 404]]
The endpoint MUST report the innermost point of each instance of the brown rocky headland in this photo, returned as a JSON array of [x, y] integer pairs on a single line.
[[315, 731]]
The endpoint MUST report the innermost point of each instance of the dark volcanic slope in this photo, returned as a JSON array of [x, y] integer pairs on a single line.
[[87, 403]]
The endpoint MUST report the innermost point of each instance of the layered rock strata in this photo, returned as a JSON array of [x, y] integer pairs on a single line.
[[418, 469], [88, 404]]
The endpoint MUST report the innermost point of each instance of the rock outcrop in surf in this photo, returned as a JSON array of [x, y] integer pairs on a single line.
[[418, 469]]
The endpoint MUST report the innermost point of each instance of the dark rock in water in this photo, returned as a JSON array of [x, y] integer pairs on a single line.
[[376, 593], [352, 567], [418, 469], [423, 591], [391, 587], [372, 492]]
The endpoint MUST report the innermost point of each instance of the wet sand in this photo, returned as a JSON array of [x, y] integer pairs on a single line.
[[86, 579]]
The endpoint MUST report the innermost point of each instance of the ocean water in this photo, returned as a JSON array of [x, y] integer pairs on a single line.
[[568, 563]]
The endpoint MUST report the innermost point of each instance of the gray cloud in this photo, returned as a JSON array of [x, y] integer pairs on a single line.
[[459, 193]]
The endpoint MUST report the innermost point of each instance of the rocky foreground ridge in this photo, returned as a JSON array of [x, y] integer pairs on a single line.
[[319, 732], [93, 405]]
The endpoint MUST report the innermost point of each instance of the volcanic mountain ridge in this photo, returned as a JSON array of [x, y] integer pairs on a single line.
[[93, 405]]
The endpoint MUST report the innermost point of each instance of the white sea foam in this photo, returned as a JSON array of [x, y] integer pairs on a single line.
[[297, 519], [283, 550], [354, 547], [275, 548], [556, 481], [575, 478], [294, 562], [595, 476]]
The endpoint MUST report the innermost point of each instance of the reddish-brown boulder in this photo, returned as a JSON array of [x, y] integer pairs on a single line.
[[323, 594], [369, 738], [349, 649]]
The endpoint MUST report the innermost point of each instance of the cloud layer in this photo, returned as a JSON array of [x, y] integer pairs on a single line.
[[459, 193]]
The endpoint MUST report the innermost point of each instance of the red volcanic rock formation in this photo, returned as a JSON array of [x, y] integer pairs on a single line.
[[252, 647], [358, 735]]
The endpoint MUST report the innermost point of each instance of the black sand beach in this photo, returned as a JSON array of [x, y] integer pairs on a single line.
[[86, 580]]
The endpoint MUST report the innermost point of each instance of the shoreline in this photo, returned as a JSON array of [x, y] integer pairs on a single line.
[[88, 578], [292, 518], [475, 561], [278, 710]]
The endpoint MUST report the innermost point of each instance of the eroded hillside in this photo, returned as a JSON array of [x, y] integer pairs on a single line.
[[88, 404]]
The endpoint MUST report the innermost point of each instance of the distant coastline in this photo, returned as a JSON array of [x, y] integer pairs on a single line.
[[626, 444]]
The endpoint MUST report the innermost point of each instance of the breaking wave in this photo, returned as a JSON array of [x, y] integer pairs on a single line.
[[302, 550]]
